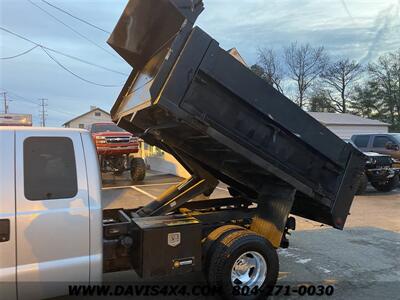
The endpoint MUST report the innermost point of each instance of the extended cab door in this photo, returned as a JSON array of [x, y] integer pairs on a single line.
[[52, 213], [7, 217]]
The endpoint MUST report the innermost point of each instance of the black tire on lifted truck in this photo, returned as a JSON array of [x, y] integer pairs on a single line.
[[362, 184], [387, 186], [246, 260], [138, 169]]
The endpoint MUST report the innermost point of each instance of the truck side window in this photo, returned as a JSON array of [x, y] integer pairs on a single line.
[[49, 168], [381, 141], [362, 141]]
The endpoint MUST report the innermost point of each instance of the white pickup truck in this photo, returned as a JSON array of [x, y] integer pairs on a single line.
[[54, 233], [50, 211]]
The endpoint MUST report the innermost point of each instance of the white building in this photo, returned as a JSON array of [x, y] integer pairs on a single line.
[[95, 115], [346, 125]]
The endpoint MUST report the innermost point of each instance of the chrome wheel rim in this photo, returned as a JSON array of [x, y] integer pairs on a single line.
[[249, 270]]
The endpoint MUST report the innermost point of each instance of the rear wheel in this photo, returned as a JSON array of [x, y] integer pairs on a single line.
[[388, 185], [138, 169], [212, 240], [244, 265]]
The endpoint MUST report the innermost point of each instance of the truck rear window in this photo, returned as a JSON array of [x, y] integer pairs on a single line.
[[49, 168]]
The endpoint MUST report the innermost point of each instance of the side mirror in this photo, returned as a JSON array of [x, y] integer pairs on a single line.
[[392, 146]]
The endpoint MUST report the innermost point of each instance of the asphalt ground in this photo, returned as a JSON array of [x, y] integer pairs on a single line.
[[361, 262]]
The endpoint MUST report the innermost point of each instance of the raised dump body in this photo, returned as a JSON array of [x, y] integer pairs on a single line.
[[194, 100]]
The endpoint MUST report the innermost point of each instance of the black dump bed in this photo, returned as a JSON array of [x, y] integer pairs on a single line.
[[194, 100]]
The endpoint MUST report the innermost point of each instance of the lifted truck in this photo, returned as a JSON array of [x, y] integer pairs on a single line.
[[192, 99], [114, 148]]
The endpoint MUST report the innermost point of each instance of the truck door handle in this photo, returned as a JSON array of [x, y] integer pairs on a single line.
[[4, 230]]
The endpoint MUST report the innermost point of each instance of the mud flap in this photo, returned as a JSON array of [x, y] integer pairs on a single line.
[[274, 205]]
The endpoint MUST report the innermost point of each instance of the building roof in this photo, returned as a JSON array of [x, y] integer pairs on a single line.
[[235, 53], [86, 113], [345, 119]]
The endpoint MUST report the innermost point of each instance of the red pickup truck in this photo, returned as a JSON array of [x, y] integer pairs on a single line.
[[114, 147]]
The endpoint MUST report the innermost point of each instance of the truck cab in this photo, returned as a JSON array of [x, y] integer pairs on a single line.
[[384, 143], [51, 208]]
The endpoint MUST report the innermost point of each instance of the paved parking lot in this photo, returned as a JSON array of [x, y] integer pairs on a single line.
[[362, 262]]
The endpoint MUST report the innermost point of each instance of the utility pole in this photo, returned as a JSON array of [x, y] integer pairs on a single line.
[[43, 111], [5, 102]]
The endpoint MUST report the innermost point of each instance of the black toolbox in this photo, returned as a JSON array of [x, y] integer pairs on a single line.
[[166, 245]]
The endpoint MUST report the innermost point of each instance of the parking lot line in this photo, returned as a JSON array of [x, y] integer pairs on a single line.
[[116, 187], [143, 192], [159, 184], [140, 185], [222, 189]]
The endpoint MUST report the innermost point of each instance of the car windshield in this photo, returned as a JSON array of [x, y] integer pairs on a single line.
[[106, 128]]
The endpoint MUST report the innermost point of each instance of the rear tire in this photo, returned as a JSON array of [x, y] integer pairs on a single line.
[[138, 169], [362, 185], [212, 239], [387, 186], [244, 259]]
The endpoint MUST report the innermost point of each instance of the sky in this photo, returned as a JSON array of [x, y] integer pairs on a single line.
[[359, 29]]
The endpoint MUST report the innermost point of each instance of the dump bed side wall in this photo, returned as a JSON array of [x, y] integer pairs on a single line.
[[244, 108], [272, 104]]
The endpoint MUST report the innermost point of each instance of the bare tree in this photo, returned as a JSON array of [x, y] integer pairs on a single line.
[[320, 101], [272, 67], [305, 64], [340, 77]]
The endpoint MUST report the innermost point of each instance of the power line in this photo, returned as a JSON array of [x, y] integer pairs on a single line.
[[58, 63], [84, 61], [26, 100], [72, 29], [77, 18], [21, 54], [20, 97], [76, 75], [62, 53]]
